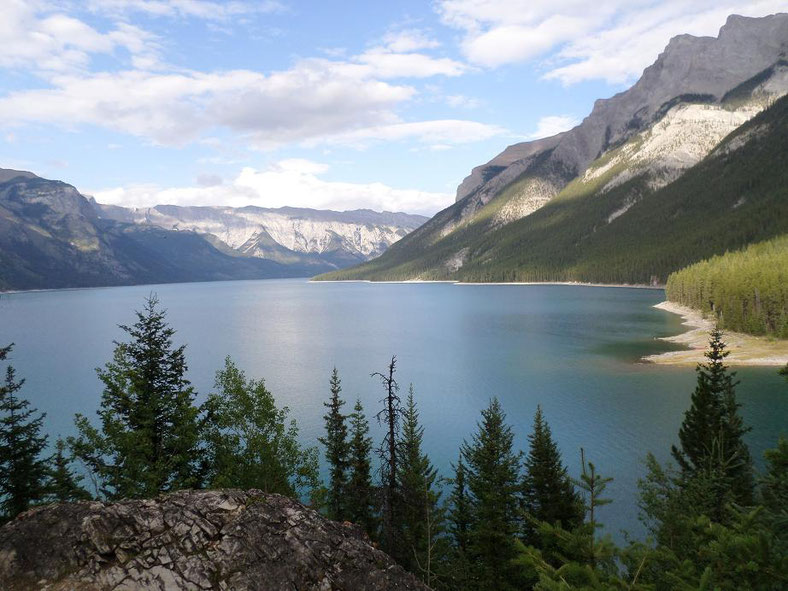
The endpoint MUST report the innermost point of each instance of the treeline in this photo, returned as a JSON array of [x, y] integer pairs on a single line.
[[504, 519], [746, 290]]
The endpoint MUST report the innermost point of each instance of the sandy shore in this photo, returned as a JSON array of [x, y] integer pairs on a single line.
[[745, 349]]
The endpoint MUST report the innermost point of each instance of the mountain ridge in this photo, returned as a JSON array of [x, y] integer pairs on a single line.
[[685, 120], [52, 236]]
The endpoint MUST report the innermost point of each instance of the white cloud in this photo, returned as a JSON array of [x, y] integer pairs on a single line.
[[408, 40], [462, 101], [551, 125], [203, 9], [294, 183], [577, 40], [441, 131], [173, 109], [57, 42], [314, 99], [385, 64]]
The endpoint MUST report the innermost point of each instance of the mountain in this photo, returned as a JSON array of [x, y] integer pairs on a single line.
[[51, 236], [311, 238], [563, 208], [188, 540]]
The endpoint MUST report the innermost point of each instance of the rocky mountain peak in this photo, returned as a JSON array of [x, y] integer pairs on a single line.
[[705, 67], [192, 540]]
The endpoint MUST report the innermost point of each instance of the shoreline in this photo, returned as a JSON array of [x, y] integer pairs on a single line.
[[480, 283], [744, 349]]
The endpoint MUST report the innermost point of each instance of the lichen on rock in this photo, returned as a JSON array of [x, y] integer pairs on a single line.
[[196, 540]]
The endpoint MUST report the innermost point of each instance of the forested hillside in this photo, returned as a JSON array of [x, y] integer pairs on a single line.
[[627, 234], [745, 291]]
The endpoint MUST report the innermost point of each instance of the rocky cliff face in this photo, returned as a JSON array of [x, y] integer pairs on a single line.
[[52, 236], [208, 540], [340, 238], [706, 67], [699, 90]]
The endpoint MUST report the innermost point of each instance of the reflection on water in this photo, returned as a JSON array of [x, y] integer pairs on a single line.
[[572, 349]]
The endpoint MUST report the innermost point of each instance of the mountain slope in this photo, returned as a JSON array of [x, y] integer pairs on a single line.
[[315, 239], [50, 236], [628, 233], [645, 139]]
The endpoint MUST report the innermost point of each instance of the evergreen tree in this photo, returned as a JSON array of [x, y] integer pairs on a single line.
[[774, 487], [492, 470], [148, 439], [711, 435], [249, 443], [459, 526], [64, 485], [422, 517], [593, 485], [337, 449], [548, 492], [22, 470], [390, 416], [360, 499]]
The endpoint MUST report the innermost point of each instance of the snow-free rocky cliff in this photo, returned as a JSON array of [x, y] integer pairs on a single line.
[[192, 541]]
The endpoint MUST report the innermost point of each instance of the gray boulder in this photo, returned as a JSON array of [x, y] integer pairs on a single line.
[[196, 540]]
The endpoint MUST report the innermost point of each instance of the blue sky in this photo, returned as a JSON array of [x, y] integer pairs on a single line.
[[340, 105]]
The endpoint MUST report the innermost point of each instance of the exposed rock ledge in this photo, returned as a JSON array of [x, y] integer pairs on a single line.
[[744, 349], [227, 539]]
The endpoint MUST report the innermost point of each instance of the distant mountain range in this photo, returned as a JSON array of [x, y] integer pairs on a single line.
[[52, 236], [690, 161]]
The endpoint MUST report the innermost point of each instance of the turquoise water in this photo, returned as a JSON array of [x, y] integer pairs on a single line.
[[572, 349]]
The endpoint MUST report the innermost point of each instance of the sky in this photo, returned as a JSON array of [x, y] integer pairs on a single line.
[[324, 104]]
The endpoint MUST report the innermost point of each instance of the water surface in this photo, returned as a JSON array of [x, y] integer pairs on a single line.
[[572, 349]]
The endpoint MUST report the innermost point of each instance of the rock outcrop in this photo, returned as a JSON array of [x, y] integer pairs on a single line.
[[189, 540]]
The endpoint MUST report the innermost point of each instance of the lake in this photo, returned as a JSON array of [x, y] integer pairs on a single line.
[[575, 350]]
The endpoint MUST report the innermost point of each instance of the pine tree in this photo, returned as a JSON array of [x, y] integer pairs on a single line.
[[148, 438], [493, 476], [390, 416], [64, 485], [249, 441], [459, 525], [711, 435], [360, 494], [422, 517], [337, 449], [594, 486], [22, 470], [548, 492]]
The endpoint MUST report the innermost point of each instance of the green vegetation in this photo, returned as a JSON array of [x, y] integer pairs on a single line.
[[337, 451], [731, 199], [360, 491], [745, 291], [23, 472], [711, 434], [511, 521], [248, 441], [148, 439], [549, 495]]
